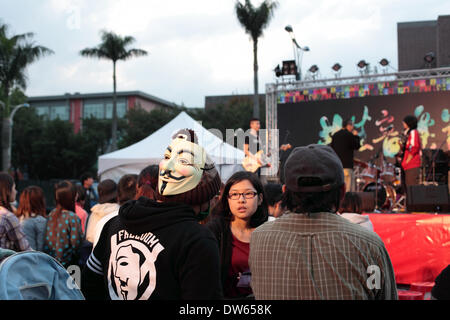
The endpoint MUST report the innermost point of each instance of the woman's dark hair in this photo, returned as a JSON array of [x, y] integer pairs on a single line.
[[273, 192], [411, 121], [32, 200], [126, 188], [65, 194], [351, 204], [147, 182], [6, 186], [86, 176], [261, 214], [81, 193], [310, 202]]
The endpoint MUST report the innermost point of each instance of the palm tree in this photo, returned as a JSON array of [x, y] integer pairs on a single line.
[[16, 53], [113, 47], [254, 21]]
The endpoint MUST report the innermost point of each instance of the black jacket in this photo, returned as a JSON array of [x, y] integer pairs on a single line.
[[222, 232], [344, 143], [152, 251]]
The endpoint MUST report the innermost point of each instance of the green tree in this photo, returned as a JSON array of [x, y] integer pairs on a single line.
[[28, 128], [17, 52], [113, 47], [254, 20], [142, 123]]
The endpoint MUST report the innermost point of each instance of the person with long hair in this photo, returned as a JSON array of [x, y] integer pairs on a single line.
[[411, 161], [79, 205], [147, 182], [64, 233], [33, 216], [11, 233], [244, 208], [351, 209]]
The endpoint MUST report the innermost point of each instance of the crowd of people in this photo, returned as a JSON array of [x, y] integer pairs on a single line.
[[176, 231]]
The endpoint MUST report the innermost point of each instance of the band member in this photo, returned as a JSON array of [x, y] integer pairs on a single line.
[[252, 144], [411, 161], [344, 143]]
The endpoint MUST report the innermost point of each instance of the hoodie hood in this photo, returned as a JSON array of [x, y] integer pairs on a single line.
[[104, 209], [358, 219], [141, 213]]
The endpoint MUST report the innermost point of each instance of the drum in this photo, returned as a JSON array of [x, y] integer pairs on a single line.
[[369, 173], [388, 173], [386, 195]]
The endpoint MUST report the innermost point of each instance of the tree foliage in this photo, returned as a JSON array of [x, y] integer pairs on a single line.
[[113, 47]]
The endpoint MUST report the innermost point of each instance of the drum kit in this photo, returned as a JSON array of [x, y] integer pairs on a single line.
[[384, 181]]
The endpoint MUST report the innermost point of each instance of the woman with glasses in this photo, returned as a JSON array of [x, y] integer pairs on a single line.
[[243, 207]]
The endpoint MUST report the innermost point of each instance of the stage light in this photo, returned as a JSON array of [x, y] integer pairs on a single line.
[[362, 64], [314, 68], [277, 70], [429, 57], [384, 62], [289, 68], [336, 67], [288, 28]]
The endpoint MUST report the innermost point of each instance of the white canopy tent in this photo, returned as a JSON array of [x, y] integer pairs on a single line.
[[134, 158]]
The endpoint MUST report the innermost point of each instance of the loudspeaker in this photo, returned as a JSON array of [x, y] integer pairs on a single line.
[[367, 201], [422, 198]]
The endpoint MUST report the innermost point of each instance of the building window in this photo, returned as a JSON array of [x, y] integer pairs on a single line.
[[121, 109], [43, 111], [53, 110], [102, 109], [93, 110], [61, 112]]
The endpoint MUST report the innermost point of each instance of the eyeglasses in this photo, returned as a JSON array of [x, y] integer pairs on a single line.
[[247, 195]]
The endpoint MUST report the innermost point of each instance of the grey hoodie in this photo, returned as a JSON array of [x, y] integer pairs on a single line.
[[98, 212], [363, 221]]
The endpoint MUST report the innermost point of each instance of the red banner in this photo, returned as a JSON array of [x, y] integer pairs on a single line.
[[418, 244]]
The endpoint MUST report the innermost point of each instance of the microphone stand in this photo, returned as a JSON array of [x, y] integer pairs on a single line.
[[376, 179], [433, 162]]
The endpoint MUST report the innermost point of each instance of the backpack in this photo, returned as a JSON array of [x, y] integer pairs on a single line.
[[34, 275]]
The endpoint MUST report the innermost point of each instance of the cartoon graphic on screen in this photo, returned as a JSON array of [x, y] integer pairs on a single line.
[[423, 124], [131, 270], [445, 116], [360, 127], [329, 129], [390, 137]]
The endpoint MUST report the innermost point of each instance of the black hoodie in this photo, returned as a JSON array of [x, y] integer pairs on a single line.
[[153, 251]]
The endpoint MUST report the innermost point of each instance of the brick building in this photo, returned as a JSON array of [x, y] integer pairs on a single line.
[[75, 107]]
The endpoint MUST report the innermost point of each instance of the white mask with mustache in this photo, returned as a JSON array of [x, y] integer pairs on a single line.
[[181, 168]]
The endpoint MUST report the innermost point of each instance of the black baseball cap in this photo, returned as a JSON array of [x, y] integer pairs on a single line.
[[313, 161]]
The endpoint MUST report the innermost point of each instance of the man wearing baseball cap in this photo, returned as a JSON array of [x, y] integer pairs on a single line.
[[311, 253]]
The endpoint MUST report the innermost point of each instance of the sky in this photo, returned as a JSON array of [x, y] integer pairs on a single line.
[[198, 48]]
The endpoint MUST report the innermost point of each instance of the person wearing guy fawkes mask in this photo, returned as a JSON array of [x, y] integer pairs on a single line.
[[157, 249]]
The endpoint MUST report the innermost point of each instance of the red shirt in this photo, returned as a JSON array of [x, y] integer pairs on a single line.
[[412, 148], [239, 263]]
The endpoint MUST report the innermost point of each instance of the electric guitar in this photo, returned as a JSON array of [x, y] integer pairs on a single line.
[[252, 164]]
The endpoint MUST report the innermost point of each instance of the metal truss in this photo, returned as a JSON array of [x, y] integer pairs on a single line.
[[289, 84]]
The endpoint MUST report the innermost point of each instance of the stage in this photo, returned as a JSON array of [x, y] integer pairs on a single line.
[[418, 243]]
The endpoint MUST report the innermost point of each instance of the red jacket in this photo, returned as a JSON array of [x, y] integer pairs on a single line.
[[413, 147]]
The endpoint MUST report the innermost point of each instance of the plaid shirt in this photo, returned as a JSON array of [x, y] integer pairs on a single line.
[[11, 234], [321, 256]]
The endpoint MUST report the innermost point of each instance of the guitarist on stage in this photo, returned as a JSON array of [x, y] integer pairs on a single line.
[[412, 148], [252, 144]]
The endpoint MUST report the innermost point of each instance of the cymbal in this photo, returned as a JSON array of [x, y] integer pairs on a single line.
[[360, 163]]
